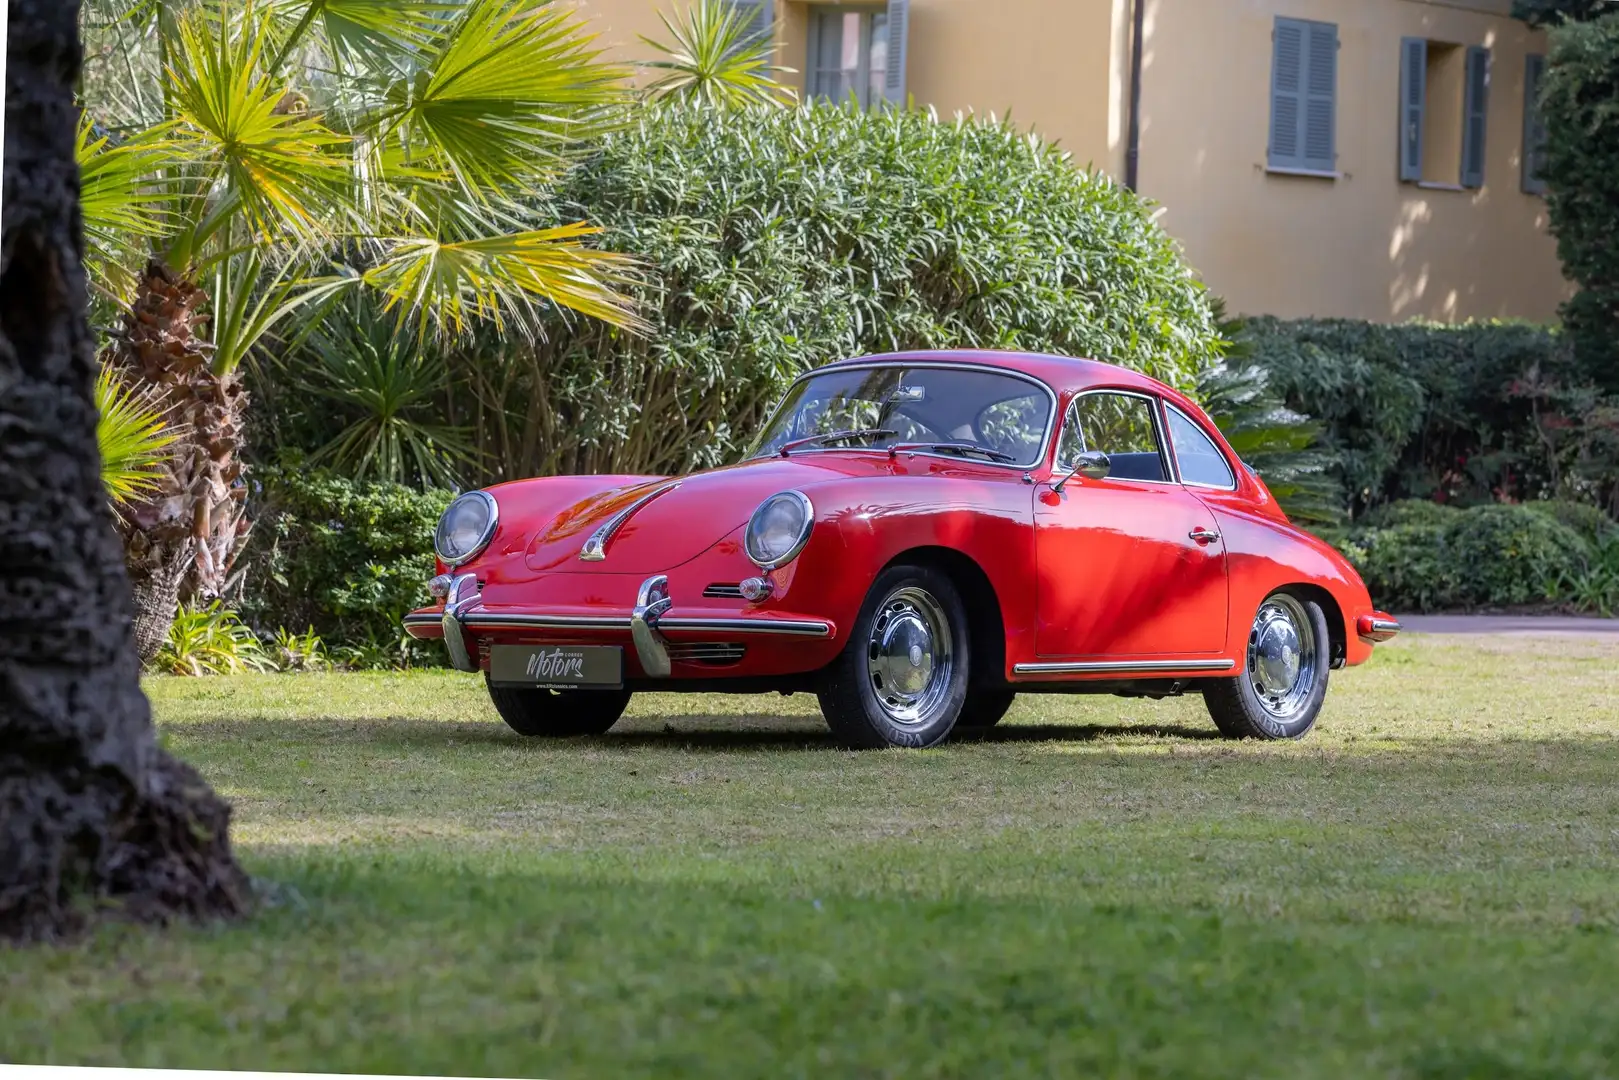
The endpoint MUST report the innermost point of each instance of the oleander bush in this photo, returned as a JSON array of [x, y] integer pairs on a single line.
[[345, 559], [774, 240]]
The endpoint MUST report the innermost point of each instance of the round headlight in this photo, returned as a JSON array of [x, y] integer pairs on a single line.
[[779, 529], [466, 527]]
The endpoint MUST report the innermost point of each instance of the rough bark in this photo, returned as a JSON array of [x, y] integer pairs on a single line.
[[182, 539], [94, 818]]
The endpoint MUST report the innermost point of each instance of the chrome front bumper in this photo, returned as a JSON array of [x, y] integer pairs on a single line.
[[463, 611]]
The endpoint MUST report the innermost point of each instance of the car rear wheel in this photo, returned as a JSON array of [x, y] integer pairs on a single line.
[[537, 713], [1284, 679], [902, 678]]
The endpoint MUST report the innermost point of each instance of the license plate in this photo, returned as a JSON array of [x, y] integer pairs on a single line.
[[557, 667]]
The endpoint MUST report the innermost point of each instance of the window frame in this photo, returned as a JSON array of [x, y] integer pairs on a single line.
[[1215, 443], [1154, 404], [819, 15]]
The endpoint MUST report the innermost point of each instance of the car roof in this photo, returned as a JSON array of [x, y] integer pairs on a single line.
[[1064, 374]]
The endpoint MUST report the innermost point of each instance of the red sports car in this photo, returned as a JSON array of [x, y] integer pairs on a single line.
[[915, 539]]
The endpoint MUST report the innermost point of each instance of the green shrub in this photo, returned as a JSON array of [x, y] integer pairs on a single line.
[[775, 240], [1483, 557], [1422, 512], [1580, 102], [1588, 521], [210, 640], [345, 559], [1466, 414]]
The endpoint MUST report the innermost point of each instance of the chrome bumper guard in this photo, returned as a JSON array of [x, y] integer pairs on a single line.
[[463, 603]]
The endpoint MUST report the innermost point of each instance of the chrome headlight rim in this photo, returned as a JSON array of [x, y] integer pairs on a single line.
[[493, 510], [761, 559]]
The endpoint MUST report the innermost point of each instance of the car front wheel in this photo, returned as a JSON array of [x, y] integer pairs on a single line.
[[1284, 681], [902, 678], [538, 713]]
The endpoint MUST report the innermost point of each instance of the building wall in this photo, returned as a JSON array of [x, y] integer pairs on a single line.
[[1365, 245], [1362, 245]]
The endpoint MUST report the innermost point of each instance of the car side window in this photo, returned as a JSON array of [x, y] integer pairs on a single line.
[[1201, 462], [1120, 426]]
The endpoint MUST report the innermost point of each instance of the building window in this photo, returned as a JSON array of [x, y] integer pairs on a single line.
[[1534, 127], [1444, 112], [848, 54], [1304, 97], [757, 17]]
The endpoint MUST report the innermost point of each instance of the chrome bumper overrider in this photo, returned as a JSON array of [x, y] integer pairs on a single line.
[[463, 611]]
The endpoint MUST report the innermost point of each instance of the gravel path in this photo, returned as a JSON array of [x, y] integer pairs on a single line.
[[1507, 624]]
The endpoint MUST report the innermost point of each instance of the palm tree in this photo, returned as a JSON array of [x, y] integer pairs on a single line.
[[714, 57], [98, 819], [294, 151]]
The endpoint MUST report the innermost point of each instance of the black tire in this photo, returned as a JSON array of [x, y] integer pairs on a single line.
[[907, 606], [536, 713], [1244, 708], [983, 709]]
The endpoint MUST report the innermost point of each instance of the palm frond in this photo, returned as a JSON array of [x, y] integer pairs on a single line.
[[362, 33], [283, 170], [132, 436], [250, 303], [713, 57], [506, 90], [121, 199], [446, 287]]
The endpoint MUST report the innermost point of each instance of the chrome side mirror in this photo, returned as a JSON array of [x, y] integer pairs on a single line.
[[1092, 465]]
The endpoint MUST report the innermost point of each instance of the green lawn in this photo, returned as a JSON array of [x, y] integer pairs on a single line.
[[1427, 887]]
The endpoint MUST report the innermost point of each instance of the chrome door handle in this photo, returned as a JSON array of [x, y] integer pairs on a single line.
[[1204, 536]]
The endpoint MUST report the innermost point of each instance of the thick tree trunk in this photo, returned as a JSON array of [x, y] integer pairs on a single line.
[[94, 818]]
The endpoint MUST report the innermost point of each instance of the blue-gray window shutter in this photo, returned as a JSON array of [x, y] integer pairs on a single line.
[[899, 34], [1321, 98], [757, 16], [1304, 96], [1413, 105], [1534, 127], [1287, 95], [1475, 116]]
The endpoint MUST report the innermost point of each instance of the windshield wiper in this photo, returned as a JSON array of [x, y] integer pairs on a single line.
[[952, 448], [835, 436]]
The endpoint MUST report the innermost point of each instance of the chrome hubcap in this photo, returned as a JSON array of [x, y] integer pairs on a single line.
[[1281, 657], [908, 657]]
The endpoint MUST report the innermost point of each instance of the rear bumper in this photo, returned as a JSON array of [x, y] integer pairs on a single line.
[[653, 630], [1376, 627]]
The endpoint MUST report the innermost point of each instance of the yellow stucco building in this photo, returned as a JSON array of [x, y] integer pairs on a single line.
[[1354, 158]]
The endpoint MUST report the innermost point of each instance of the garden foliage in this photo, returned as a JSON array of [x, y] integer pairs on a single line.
[[346, 559], [774, 240], [1580, 100], [1468, 414]]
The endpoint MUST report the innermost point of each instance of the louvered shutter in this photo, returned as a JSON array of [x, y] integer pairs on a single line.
[[1287, 95], [1321, 98], [1413, 105], [1475, 116], [1304, 96], [757, 16], [899, 34], [1534, 127]]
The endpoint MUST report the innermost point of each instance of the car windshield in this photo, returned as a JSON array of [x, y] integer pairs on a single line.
[[960, 411]]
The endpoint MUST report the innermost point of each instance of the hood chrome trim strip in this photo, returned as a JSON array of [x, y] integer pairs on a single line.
[[595, 549]]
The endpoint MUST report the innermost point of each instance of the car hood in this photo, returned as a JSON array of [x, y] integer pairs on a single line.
[[678, 524]]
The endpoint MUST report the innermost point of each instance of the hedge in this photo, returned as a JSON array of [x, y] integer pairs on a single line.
[[775, 240]]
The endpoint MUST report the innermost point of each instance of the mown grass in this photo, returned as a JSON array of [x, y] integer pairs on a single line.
[[1427, 887]]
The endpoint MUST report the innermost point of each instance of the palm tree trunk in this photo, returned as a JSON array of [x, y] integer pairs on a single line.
[[94, 818], [181, 539]]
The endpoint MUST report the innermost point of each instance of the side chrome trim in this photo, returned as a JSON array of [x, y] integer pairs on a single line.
[[1111, 666], [595, 549]]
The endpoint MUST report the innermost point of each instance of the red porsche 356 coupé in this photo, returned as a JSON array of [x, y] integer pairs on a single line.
[[916, 539]]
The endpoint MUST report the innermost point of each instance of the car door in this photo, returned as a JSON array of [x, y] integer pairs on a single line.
[[1129, 566]]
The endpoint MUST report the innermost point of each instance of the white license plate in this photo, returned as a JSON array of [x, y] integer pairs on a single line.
[[557, 667]]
